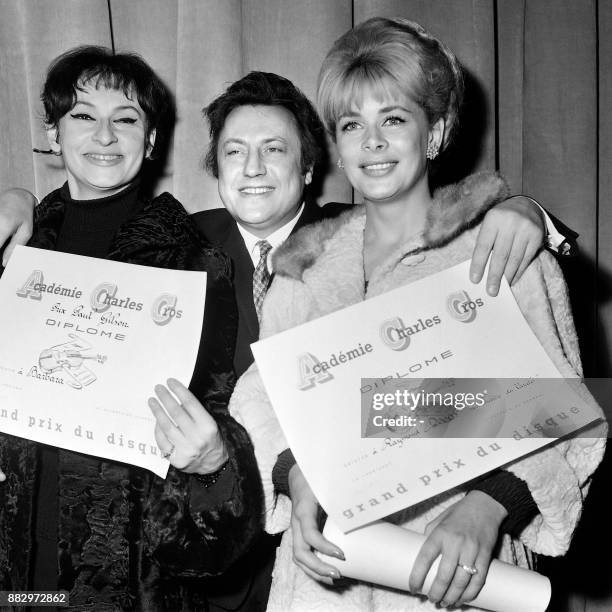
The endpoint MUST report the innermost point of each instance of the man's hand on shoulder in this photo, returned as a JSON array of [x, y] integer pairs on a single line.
[[511, 233], [16, 219]]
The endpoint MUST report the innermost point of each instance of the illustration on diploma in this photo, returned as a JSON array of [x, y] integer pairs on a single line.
[[70, 358]]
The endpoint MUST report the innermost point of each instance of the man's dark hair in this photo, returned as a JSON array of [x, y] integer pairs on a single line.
[[98, 66], [268, 89]]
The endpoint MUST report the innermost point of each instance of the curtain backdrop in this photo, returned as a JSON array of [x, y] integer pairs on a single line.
[[539, 88]]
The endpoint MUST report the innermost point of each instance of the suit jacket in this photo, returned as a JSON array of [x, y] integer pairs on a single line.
[[220, 228]]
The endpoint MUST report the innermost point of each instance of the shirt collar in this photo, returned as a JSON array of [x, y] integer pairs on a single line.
[[275, 239]]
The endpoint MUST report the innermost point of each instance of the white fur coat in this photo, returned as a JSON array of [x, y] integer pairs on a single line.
[[319, 271]]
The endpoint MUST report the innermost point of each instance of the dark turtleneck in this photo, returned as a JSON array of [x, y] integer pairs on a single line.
[[88, 228]]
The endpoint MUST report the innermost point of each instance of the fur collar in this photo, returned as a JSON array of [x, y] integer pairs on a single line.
[[455, 209]]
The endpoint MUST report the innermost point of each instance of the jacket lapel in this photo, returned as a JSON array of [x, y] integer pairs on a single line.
[[248, 324]]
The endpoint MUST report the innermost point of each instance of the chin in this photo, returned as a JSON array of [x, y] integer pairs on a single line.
[[380, 197], [255, 214], [106, 182]]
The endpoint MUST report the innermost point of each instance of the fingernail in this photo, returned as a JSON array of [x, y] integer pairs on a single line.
[[443, 604], [335, 574], [491, 291], [474, 277], [339, 554]]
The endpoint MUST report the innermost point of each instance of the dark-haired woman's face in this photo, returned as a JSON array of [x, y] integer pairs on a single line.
[[103, 141]]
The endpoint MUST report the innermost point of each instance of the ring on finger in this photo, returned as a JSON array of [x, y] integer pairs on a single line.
[[167, 455], [470, 569]]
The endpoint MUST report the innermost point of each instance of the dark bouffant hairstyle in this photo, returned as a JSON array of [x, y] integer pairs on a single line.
[[268, 89], [98, 66]]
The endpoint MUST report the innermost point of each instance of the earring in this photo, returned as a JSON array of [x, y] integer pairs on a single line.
[[340, 163], [432, 150]]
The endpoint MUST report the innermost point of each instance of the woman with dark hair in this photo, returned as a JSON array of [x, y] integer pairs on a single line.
[[113, 535], [390, 94]]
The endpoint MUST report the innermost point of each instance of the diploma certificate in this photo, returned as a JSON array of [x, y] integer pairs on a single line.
[[439, 327], [84, 342]]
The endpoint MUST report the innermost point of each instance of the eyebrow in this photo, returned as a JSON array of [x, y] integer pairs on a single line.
[[264, 141], [386, 109], [117, 108]]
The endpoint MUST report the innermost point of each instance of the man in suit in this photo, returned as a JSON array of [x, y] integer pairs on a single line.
[[219, 227]]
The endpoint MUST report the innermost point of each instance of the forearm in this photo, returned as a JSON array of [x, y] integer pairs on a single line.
[[17, 196], [16, 219]]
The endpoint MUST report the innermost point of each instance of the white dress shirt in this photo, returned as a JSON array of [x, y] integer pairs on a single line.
[[275, 239]]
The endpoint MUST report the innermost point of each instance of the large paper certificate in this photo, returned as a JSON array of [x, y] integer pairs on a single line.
[[441, 326], [84, 341]]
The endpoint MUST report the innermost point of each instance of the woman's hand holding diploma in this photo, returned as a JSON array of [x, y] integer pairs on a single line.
[[186, 433], [306, 534], [464, 536]]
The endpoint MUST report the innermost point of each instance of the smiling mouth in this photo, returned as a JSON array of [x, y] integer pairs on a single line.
[[256, 190], [379, 166], [101, 157]]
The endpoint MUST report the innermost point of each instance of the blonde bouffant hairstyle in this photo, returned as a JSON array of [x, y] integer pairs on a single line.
[[391, 57]]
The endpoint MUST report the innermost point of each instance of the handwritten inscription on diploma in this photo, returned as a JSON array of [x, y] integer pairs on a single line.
[[441, 327], [84, 341]]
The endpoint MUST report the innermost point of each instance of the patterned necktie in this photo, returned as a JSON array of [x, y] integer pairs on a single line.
[[261, 276]]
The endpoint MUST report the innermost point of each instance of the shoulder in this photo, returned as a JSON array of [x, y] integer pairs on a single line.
[[214, 224], [52, 196], [163, 219], [50, 203], [333, 209], [313, 213], [48, 217], [163, 234], [163, 207], [300, 251], [461, 206], [542, 282]]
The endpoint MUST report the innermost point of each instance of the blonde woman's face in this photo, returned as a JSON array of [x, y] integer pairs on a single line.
[[383, 146]]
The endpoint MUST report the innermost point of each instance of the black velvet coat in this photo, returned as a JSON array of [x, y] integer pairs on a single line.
[[129, 540]]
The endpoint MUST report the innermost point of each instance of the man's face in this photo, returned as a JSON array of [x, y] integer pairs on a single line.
[[260, 172]]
